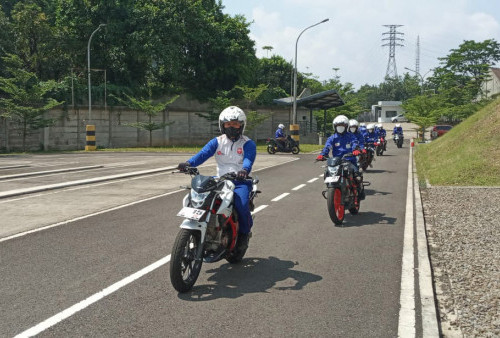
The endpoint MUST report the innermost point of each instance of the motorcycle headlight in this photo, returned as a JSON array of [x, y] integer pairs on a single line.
[[333, 170], [197, 199]]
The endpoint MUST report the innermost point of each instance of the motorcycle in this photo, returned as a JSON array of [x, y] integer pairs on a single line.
[[343, 190], [398, 139], [367, 159], [380, 146], [209, 232], [291, 146]]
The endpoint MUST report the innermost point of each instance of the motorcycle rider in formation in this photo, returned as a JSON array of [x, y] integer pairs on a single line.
[[371, 135], [382, 133], [362, 128], [280, 137], [343, 142], [353, 129], [234, 152], [397, 130]]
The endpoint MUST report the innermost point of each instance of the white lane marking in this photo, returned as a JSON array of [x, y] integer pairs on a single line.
[[299, 187], [86, 216], [92, 299], [406, 326], [321, 175], [256, 210], [277, 198], [313, 179]]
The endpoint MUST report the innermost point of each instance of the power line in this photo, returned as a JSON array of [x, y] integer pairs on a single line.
[[393, 42]]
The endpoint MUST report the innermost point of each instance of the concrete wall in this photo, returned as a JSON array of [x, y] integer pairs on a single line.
[[112, 132]]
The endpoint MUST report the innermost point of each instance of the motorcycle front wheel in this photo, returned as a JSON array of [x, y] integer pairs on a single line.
[[270, 149], [184, 269], [295, 150], [335, 205]]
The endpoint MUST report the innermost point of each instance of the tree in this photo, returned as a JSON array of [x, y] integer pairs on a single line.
[[423, 110], [25, 103], [467, 66], [268, 49], [151, 110]]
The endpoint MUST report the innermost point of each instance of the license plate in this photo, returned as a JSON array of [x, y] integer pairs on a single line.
[[332, 179], [191, 213]]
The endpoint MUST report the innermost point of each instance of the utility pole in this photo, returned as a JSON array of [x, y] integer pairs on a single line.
[[393, 42]]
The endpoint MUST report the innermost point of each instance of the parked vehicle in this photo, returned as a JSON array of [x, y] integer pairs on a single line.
[[342, 188], [398, 140], [439, 130], [399, 118], [209, 231], [291, 146]]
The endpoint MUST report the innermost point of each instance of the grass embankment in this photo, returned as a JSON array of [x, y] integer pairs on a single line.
[[469, 154]]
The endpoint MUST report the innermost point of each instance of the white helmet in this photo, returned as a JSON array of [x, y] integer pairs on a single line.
[[232, 113], [353, 124], [371, 126], [339, 122], [281, 126], [362, 124], [398, 125], [379, 125]]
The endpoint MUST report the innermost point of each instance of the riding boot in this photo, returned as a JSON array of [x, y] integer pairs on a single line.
[[242, 243]]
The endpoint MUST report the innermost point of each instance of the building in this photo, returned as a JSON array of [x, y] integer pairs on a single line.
[[491, 86], [385, 110]]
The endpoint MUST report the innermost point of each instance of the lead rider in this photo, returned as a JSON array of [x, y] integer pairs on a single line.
[[234, 152]]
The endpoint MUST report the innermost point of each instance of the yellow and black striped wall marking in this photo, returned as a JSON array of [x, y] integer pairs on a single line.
[[294, 132], [90, 138]]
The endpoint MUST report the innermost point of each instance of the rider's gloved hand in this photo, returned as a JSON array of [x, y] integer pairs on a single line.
[[356, 152], [242, 174], [363, 151], [183, 166], [320, 158]]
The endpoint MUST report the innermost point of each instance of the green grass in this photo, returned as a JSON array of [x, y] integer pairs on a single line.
[[469, 154]]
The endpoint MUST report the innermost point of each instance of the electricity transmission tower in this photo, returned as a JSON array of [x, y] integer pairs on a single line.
[[417, 58], [393, 42]]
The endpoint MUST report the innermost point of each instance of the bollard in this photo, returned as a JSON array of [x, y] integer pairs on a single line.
[[90, 138], [294, 132], [412, 143]]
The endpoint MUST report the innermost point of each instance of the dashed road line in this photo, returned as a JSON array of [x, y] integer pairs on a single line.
[[299, 187], [312, 180], [276, 199]]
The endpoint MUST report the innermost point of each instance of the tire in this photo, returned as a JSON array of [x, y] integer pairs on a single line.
[[400, 143], [184, 270], [270, 149], [295, 150], [236, 257], [335, 205], [355, 209], [378, 151], [394, 121]]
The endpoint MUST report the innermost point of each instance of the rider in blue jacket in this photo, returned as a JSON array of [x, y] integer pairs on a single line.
[[371, 135], [280, 137], [382, 133], [343, 142], [397, 130], [234, 152]]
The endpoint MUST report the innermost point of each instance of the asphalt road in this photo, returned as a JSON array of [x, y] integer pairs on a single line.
[[302, 276]]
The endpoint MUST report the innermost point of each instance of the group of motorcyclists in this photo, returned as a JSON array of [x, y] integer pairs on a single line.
[[235, 152]]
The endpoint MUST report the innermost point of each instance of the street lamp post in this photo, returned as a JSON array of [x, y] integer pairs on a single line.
[[421, 78], [294, 111], [88, 69]]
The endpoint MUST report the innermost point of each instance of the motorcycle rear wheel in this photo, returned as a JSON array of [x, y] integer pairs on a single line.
[[335, 205], [184, 269], [270, 149], [295, 150]]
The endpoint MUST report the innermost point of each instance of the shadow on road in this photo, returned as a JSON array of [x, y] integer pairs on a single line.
[[378, 171], [371, 192], [367, 218], [252, 275]]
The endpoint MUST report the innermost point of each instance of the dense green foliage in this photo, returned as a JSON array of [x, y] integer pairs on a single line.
[[161, 48]]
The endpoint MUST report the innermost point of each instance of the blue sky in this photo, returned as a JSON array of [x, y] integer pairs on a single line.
[[352, 38]]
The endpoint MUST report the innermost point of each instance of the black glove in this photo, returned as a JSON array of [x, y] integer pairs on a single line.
[[242, 174], [183, 166]]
